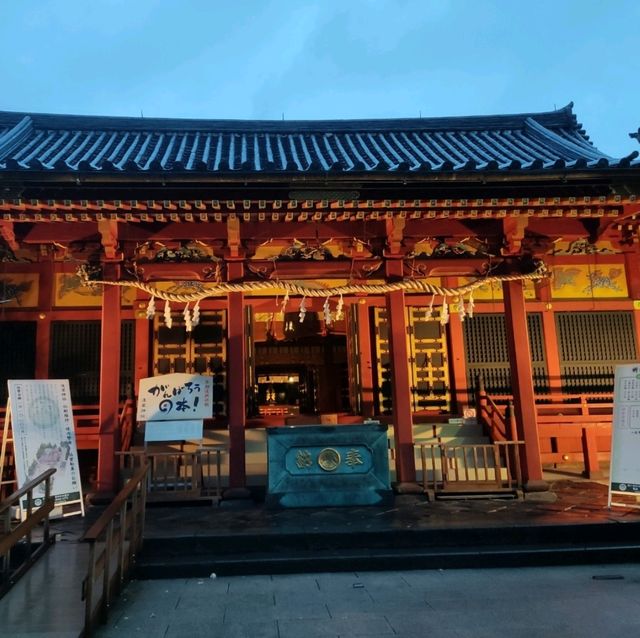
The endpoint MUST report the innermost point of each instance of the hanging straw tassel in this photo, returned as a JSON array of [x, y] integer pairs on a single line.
[[470, 306], [285, 301], [303, 310], [460, 309], [168, 321], [428, 315], [444, 315], [326, 309], [188, 324], [195, 314], [339, 309], [151, 308]]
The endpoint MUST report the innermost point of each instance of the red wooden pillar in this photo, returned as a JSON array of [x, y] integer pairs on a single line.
[[551, 345], [457, 361], [43, 328], [365, 363], [632, 269], [522, 385], [237, 391], [142, 336], [401, 388], [109, 434]]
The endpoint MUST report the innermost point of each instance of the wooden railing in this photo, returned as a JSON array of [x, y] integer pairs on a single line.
[[178, 475], [115, 539], [125, 423], [471, 468], [11, 536], [572, 428]]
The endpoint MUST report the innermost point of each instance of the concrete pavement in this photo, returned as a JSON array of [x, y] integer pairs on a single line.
[[564, 602]]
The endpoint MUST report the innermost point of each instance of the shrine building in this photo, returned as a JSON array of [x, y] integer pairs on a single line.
[[427, 273]]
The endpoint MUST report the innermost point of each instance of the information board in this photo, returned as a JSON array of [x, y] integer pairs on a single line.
[[624, 476], [44, 438]]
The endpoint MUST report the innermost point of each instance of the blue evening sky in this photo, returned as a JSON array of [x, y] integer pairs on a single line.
[[326, 59]]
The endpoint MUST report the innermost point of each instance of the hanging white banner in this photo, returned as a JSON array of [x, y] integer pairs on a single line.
[[44, 438], [624, 475]]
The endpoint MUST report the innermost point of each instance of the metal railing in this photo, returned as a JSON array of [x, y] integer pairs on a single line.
[[176, 474], [115, 539], [22, 532], [471, 468]]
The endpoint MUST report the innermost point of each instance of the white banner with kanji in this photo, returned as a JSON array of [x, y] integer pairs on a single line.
[[177, 396], [44, 438]]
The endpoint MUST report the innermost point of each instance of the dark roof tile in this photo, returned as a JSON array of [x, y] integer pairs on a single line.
[[70, 143]]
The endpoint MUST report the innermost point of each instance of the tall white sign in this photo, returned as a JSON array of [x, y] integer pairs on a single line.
[[44, 438], [624, 476]]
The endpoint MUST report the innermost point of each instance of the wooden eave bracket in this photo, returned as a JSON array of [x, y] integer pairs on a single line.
[[513, 229], [109, 239], [234, 245], [8, 234], [395, 234]]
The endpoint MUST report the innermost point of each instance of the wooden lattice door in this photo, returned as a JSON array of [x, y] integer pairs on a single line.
[[428, 361], [202, 351]]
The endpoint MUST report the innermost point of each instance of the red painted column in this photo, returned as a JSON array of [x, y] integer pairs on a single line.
[[457, 360], [109, 435], [401, 388], [43, 327], [522, 385], [237, 391], [143, 327], [365, 363], [551, 343], [632, 269]]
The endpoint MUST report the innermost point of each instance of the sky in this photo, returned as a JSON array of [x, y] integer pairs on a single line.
[[326, 59]]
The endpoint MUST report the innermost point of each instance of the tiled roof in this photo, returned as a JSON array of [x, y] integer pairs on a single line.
[[636, 135], [85, 144]]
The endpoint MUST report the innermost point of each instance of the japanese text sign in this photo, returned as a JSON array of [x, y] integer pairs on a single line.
[[177, 396]]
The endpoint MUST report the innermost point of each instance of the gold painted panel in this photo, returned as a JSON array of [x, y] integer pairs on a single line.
[[19, 290], [70, 293], [492, 291], [581, 281]]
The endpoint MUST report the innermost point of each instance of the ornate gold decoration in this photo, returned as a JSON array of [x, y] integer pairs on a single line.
[[329, 459]]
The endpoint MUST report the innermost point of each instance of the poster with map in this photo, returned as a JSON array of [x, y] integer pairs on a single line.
[[44, 438]]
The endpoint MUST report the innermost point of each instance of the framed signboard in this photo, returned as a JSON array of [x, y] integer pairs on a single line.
[[624, 475], [44, 438]]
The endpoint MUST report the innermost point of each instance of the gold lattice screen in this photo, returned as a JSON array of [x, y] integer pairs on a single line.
[[202, 351], [428, 361]]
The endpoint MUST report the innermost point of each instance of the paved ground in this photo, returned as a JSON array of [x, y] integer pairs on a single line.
[[564, 602], [560, 602]]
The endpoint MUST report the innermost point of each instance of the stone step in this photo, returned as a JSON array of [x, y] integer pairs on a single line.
[[358, 550]]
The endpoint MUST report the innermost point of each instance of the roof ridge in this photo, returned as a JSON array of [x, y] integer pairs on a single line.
[[557, 118]]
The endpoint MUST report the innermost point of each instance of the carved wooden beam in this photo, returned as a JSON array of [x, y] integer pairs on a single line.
[[109, 239]]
